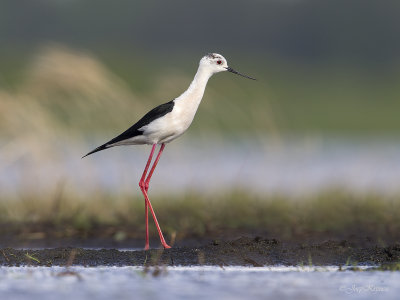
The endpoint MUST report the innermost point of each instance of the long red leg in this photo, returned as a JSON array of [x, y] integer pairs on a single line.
[[147, 181], [142, 186], [162, 240]]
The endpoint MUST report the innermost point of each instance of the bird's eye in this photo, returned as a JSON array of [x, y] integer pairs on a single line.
[[219, 62]]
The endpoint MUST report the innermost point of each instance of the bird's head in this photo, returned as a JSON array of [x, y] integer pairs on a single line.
[[216, 63]]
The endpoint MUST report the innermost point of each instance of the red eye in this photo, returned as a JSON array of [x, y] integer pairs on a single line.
[[219, 62]]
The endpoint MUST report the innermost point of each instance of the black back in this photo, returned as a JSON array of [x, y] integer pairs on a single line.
[[134, 130]]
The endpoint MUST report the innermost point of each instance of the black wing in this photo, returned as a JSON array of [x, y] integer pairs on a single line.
[[134, 130]]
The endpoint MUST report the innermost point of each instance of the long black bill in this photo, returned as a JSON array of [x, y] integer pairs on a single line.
[[229, 69]]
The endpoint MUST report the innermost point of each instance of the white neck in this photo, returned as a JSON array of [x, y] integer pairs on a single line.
[[196, 89], [186, 104]]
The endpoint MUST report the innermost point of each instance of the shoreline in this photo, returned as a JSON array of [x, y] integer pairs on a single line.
[[244, 251]]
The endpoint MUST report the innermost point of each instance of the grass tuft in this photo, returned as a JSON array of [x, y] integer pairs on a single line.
[[329, 213]]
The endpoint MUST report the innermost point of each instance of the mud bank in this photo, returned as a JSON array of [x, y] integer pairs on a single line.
[[240, 252]]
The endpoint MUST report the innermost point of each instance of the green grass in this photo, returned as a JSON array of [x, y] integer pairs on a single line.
[[331, 214], [78, 90], [31, 258], [395, 266]]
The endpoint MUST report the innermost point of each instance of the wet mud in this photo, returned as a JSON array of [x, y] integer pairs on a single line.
[[243, 251]]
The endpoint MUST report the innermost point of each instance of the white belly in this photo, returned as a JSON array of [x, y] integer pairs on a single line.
[[168, 127], [173, 124]]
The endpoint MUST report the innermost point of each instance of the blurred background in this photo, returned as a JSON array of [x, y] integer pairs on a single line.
[[322, 119]]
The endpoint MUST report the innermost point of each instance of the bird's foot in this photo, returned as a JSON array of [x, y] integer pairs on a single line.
[[166, 246]]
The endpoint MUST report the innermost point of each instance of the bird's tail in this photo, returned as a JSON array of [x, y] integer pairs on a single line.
[[100, 148]]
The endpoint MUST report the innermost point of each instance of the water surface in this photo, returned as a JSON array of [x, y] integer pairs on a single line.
[[290, 166], [44, 283]]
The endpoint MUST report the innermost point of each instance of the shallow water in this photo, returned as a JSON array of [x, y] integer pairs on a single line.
[[196, 282], [290, 166]]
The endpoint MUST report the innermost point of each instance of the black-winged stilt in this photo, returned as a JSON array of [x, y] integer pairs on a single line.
[[165, 123]]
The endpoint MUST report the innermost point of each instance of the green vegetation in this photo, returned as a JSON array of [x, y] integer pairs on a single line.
[[31, 258], [76, 91], [387, 267], [330, 214]]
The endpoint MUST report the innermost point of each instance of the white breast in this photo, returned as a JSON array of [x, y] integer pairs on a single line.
[[175, 123], [171, 125]]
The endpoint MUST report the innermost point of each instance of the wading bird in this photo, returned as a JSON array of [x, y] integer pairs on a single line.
[[167, 122]]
